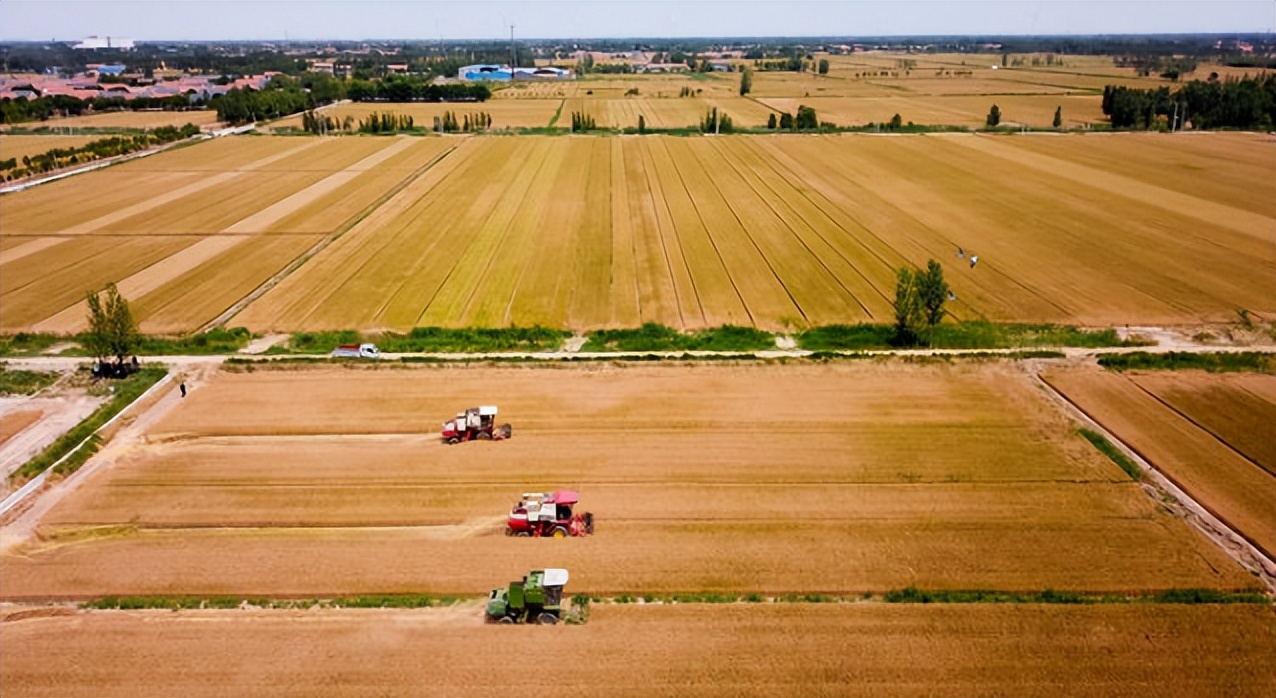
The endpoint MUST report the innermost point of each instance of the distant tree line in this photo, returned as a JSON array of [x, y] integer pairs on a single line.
[[584, 122], [410, 88], [16, 111], [716, 122], [1247, 103], [806, 120], [58, 158]]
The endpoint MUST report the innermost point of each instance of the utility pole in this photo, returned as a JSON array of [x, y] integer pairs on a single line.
[[513, 53]]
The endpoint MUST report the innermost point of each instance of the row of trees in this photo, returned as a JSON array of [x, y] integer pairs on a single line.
[[584, 122], [58, 158], [806, 120], [1247, 103], [20, 110], [716, 122], [387, 122], [469, 122], [411, 88]]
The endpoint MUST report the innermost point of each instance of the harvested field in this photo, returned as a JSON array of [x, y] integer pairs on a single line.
[[18, 147], [851, 478], [784, 649], [505, 113], [198, 243], [1210, 434], [774, 232], [129, 119]]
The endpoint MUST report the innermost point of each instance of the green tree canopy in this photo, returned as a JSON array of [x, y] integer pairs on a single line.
[[112, 332]]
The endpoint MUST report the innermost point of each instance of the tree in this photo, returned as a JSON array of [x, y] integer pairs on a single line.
[[642, 124], [895, 123], [746, 81], [932, 292], [770, 121], [824, 66], [994, 116], [1058, 116], [907, 308], [112, 332], [786, 121]]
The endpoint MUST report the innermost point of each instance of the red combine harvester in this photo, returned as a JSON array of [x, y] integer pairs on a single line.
[[476, 423], [550, 515]]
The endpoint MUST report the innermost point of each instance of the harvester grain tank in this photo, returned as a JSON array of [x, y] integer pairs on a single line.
[[538, 598], [476, 424], [539, 514]]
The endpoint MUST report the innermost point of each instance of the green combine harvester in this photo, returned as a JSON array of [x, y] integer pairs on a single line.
[[538, 598]]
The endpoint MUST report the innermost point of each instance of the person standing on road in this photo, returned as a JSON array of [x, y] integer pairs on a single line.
[[183, 388]]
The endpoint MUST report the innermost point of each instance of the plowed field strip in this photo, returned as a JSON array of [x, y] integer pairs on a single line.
[[302, 293], [715, 290], [86, 262], [1257, 225], [640, 651], [540, 297], [1229, 486], [625, 293], [178, 264], [492, 301], [1237, 409], [685, 296], [775, 557], [448, 304]]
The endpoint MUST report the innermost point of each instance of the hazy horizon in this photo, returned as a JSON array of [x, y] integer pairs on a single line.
[[344, 20]]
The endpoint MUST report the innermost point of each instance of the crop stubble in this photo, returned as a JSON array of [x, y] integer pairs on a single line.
[[832, 479]]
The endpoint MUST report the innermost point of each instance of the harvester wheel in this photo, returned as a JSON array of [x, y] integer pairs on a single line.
[[506, 620], [453, 441], [523, 534], [559, 532], [547, 618], [485, 436], [507, 430]]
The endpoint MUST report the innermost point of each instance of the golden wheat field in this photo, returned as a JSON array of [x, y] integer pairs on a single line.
[[587, 231], [132, 119]]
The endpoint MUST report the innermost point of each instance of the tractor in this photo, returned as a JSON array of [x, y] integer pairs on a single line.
[[538, 598], [549, 515], [476, 423]]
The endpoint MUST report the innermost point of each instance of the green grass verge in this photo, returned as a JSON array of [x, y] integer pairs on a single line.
[[1106, 448], [966, 335], [433, 340], [126, 391], [653, 337], [1216, 362], [218, 340], [28, 343], [24, 382]]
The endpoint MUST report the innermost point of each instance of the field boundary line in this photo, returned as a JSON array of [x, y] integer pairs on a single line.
[[652, 177], [1230, 541], [1200, 426], [744, 227], [699, 216], [323, 242], [36, 482]]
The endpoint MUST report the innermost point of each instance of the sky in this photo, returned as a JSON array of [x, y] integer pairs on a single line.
[[211, 20]]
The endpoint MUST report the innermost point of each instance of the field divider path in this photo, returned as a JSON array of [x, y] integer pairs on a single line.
[[174, 266], [1235, 545]]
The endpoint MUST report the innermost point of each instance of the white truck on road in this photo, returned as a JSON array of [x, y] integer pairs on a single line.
[[367, 350]]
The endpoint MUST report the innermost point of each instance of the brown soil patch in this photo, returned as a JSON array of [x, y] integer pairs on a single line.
[[1232, 487], [12, 423]]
